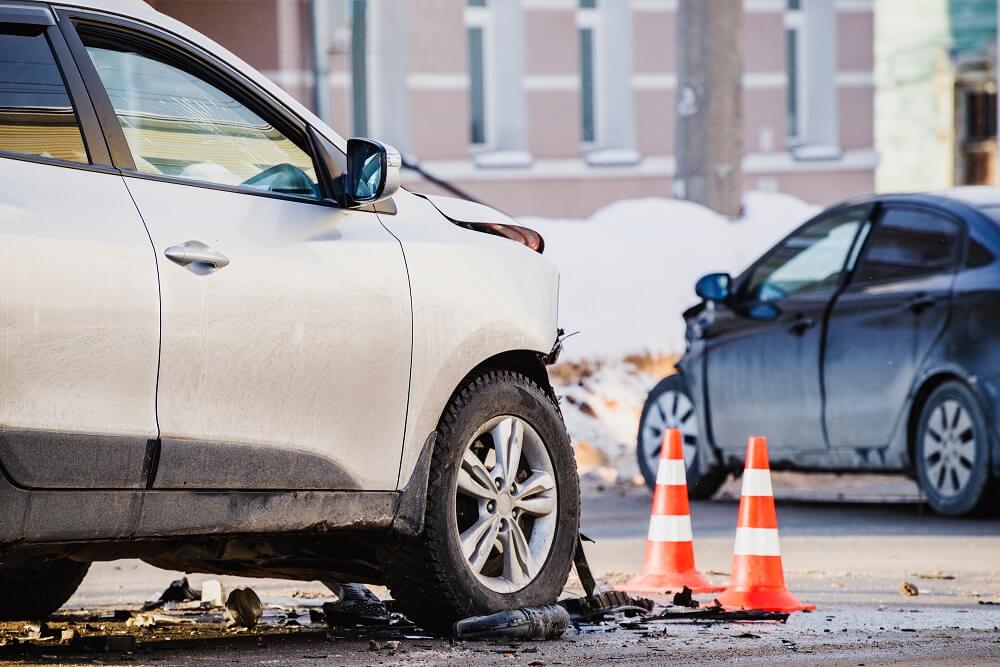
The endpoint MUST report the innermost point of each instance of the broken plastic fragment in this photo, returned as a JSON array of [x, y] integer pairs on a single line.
[[243, 608], [357, 606], [212, 593], [532, 623]]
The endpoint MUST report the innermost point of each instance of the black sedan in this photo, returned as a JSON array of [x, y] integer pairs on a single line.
[[866, 340]]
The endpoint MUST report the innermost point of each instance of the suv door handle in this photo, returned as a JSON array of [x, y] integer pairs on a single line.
[[801, 325], [194, 253], [920, 303]]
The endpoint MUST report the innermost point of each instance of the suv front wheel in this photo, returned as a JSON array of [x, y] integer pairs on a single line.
[[503, 507]]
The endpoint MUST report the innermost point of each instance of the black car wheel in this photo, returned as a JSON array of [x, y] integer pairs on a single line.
[[669, 405], [953, 451]]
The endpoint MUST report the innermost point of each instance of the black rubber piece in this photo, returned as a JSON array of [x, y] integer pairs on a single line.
[[701, 486], [33, 590], [981, 493], [428, 575]]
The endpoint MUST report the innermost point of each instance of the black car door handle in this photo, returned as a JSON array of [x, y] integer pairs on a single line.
[[801, 325], [919, 303]]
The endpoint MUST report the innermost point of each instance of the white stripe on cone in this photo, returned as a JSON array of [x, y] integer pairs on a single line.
[[670, 528], [757, 482], [671, 472], [757, 542]]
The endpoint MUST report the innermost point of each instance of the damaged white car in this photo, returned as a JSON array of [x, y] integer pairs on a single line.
[[231, 343]]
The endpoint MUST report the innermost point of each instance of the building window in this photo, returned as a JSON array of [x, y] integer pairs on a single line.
[[794, 42], [478, 20], [813, 125], [495, 35], [607, 134], [588, 20]]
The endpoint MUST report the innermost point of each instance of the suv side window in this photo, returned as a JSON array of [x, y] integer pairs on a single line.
[[177, 124], [813, 259], [36, 114], [907, 243]]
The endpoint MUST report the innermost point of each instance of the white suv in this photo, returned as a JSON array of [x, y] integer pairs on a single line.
[[230, 343]]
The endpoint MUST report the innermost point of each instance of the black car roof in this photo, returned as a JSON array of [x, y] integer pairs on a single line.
[[968, 201]]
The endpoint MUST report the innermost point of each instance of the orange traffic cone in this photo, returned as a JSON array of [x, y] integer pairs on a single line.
[[758, 581], [669, 563]]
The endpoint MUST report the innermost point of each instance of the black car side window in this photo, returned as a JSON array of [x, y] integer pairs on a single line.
[[907, 243], [813, 259], [36, 115]]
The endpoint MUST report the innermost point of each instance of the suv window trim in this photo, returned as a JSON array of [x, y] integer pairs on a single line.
[[83, 110], [961, 257], [195, 60]]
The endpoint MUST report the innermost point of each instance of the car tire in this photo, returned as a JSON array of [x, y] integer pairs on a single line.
[[32, 590], [669, 405], [953, 452], [430, 576]]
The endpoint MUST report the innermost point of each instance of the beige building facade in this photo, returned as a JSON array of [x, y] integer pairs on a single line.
[[559, 107]]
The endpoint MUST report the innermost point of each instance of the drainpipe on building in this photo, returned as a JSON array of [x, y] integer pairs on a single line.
[[321, 58]]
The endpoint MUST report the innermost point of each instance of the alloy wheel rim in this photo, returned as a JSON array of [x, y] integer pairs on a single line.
[[506, 502], [949, 448], [672, 409]]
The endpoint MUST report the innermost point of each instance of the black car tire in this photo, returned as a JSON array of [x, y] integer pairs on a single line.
[[32, 590], [429, 576], [979, 491], [701, 485]]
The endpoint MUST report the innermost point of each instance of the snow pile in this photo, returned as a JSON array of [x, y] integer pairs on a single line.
[[628, 272], [602, 405]]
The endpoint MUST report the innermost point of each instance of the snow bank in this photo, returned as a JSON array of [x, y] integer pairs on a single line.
[[628, 272]]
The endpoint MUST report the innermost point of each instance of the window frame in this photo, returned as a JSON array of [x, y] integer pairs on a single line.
[[41, 17], [194, 60], [961, 256]]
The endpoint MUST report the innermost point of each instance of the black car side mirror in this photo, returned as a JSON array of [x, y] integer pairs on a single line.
[[714, 287]]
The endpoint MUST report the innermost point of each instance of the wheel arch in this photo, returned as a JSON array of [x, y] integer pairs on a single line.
[[527, 362]]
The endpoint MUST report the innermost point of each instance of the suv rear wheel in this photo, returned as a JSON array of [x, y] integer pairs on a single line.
[[33, 589], [503, 507], [953, 452]]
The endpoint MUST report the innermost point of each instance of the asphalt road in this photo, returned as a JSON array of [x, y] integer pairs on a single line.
[[847, 552]]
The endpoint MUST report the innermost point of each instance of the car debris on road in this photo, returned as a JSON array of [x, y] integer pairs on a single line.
[[243, 608], [530, 623]]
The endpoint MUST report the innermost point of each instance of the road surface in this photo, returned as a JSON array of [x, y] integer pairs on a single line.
[[846, 552]]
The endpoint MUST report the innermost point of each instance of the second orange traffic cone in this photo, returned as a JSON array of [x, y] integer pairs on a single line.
[[669, 563], [758, 580]]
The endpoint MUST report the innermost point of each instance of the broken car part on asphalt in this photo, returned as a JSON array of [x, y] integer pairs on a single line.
[[531, 623], [243, 608], [356, 605]]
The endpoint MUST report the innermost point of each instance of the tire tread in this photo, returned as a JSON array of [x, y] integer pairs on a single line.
[[414, 568]]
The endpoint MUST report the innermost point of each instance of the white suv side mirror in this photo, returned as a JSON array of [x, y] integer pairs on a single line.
[[372, 172]]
